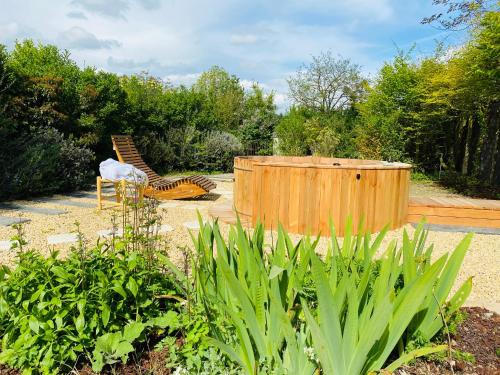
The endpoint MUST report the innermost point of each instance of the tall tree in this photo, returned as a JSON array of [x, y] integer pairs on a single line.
[[326, 84], [387, 127], [256, 131], [483, 77], [224, 94]]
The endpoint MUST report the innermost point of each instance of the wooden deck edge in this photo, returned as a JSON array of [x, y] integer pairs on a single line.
[[225, 213], [455, 211], [447, 216], [452, 220]]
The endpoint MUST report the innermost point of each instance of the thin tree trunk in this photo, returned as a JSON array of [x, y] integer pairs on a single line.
[[496, 174], [460, 144], [490, 142], [474, 141], [465, 161]]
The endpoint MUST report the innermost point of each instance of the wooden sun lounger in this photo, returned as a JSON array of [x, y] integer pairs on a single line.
[[160, 187]]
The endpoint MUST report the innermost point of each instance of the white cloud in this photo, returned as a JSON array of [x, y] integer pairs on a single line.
[[12, 31], [130, 64], [77, 15], [368, 10], [182, 79], [248, 84], [79, 38], [111, 8], [282, 102], [114, 8], [243, 39], [150, 4]]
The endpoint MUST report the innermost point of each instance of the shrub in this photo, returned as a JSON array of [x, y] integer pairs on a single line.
[[157, 153], [41, 161], [321, 138], [291, 133], [219, 150], [469, 185]]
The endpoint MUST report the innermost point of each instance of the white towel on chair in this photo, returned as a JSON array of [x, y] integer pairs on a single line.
[[115, 171]]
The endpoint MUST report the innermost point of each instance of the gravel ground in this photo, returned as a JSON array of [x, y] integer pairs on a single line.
[[421, 188], [482, 260]]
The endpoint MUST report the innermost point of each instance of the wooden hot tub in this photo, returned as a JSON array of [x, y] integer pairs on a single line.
[[302, 193]]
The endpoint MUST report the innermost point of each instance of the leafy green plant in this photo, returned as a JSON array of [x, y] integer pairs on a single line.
[[218, 151], [256, 292], [437, 308], [55, 312], [357, 320], [115, 346], [362, 319], [355, 332], [191, 351]]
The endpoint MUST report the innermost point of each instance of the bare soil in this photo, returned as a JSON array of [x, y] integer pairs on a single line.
[[478, 335]]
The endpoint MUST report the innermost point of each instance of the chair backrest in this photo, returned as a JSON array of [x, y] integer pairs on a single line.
[[127, 153]]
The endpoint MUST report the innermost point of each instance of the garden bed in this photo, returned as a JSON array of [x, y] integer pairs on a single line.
[[478, 335]]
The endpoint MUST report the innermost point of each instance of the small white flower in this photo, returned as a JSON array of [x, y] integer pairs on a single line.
[[309, 352], [181, 371]]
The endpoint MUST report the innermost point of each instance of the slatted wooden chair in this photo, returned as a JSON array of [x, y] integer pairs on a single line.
[[160, 187]]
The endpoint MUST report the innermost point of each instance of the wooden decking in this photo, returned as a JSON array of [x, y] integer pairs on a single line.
[[225, 213], [455, 212], [463, 212]]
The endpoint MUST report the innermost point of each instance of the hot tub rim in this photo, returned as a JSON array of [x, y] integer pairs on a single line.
[[370, 164]]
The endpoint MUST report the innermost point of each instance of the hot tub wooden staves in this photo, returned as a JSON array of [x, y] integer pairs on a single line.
[[303, 193]]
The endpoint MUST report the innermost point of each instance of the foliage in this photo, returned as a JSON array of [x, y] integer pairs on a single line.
[[291, 133], [326, 84], [40, 162], [304, 132], [388, 112], [102, 105], [471, 186], [257, 293], [196, 355], [95, 305], [219, 151], [441, 112], [421, 177], [112, 347], [224, 96], [257, 129], [41, 87], [321, 138], [54, 311], [362, 312]]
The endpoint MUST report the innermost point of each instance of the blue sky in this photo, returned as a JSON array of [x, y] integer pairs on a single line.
[[258, 40]]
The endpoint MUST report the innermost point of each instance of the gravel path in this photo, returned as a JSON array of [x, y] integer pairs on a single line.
[[423, 188], [482, 260]]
